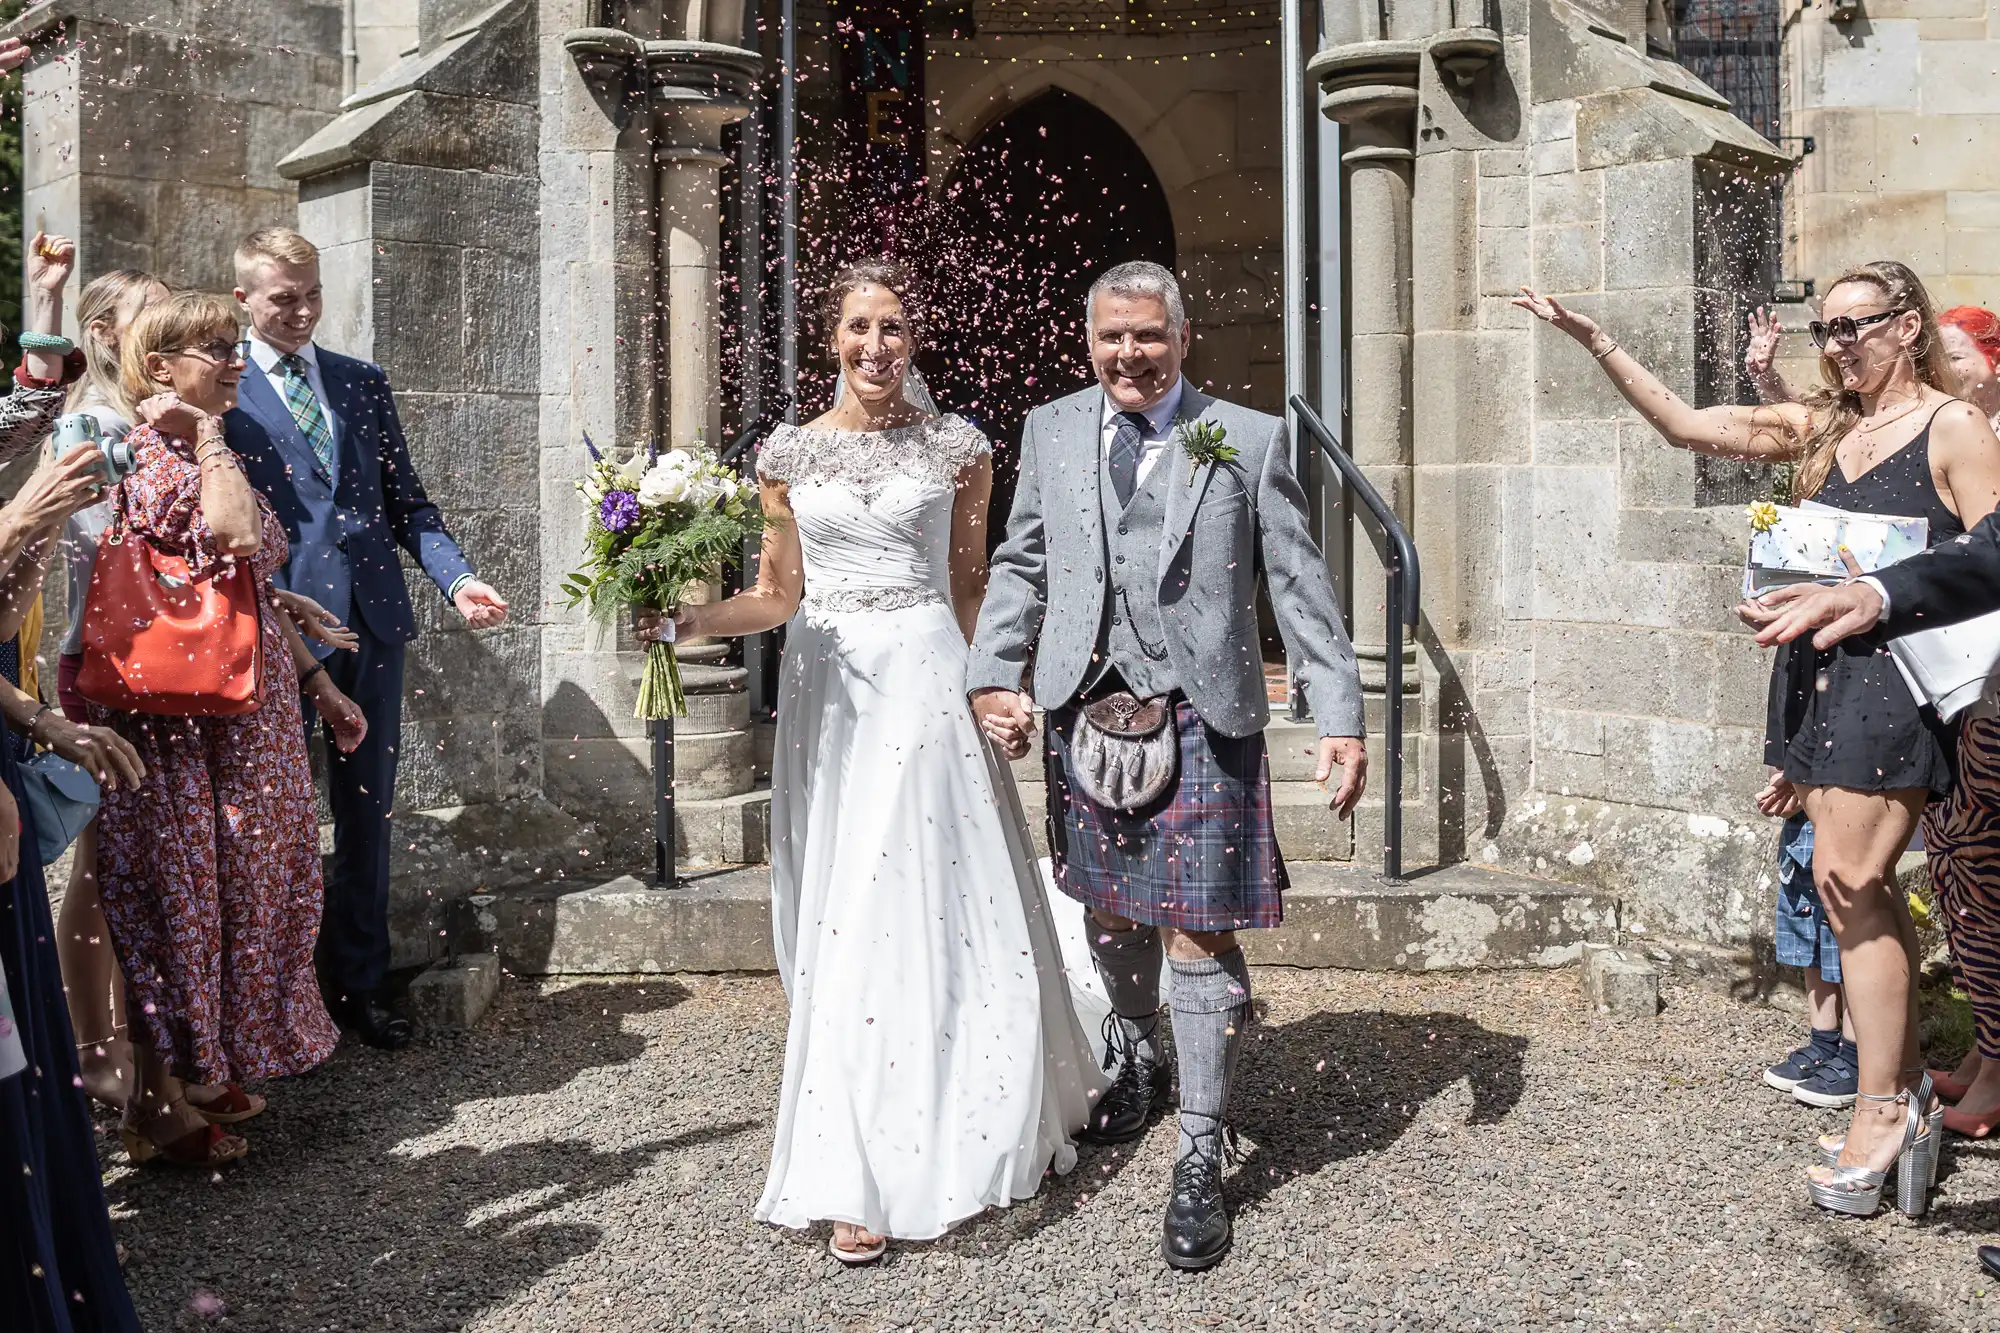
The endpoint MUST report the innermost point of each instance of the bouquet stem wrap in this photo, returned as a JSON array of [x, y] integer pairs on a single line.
[[661, 694]]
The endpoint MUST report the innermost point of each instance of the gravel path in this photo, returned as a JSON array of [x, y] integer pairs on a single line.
[[1464, 1152]]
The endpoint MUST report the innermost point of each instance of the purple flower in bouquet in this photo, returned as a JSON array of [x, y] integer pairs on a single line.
[[618, 511]]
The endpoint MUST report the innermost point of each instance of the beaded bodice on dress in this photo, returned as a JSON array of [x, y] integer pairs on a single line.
[[874, 509]]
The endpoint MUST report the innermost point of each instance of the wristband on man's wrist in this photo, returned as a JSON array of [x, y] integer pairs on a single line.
[[32, 341]]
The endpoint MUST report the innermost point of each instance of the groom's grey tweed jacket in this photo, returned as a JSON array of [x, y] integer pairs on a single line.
[[1236, 520]]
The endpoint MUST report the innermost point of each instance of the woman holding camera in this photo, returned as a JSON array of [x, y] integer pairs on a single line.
[[209, 871], [104, 312]]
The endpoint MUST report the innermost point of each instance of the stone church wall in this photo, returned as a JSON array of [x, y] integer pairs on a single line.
[[1902, 98], [1591, 711], [152, 133]]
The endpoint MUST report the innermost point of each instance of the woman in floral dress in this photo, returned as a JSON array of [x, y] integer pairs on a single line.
[[210, 869]]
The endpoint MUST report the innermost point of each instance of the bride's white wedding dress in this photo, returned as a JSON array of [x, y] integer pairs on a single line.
[[934, 1065]]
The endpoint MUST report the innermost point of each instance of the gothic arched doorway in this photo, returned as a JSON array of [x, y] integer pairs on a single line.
[[1051, 195]]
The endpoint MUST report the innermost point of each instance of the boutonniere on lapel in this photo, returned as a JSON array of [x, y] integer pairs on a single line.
[[1203, 442]]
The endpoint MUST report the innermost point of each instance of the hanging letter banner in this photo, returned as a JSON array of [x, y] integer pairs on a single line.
[[881, 75]]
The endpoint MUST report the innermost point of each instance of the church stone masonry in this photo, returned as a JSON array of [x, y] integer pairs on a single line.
[[521, 216], [1590, 710]]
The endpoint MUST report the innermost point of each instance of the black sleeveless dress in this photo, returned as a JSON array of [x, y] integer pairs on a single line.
[[1846, 718]]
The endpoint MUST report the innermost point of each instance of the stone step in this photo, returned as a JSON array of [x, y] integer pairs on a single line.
[[1454, 918], [729, 830], [596, 772]]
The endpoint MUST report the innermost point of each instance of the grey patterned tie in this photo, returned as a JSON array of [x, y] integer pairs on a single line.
[[1128, 444]]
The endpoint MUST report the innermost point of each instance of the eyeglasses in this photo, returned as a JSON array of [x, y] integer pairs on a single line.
[[222, 351], [1844, 330]]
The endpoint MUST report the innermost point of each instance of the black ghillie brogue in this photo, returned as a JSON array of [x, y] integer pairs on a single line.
[[1126, 1108], [1196, 1232]]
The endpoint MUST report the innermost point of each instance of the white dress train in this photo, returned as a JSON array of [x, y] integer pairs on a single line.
[[934, 1064]]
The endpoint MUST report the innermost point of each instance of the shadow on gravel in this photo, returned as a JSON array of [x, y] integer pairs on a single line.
[[1309, 1094], [1336, 1085], [1860, 1268], [329, 1222]]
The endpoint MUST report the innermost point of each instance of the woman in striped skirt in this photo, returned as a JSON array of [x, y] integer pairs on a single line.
[[1962, 834]]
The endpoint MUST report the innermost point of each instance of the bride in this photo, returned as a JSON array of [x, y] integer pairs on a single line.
[[934, 1065]]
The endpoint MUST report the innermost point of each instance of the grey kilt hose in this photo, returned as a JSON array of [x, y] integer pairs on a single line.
[[1204, 856]]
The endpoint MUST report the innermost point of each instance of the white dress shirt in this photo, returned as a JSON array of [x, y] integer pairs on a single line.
[[264, 360], [1159, 428]]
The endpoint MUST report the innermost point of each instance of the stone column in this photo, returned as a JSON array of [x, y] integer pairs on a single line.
[[697, 88], [1370, 88]]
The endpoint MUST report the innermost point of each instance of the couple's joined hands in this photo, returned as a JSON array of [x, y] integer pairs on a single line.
[[1007, 717]]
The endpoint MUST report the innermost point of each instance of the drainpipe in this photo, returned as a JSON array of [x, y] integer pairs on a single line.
[[350, 55], [1294, 267], [788, 232]]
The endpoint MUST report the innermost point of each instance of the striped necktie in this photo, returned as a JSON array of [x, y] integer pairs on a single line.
[[1128, 445], [306, 410]]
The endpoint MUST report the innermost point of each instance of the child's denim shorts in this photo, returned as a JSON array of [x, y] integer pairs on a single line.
[[1801, 933]]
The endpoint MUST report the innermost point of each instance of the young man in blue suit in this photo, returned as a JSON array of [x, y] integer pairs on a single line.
[[319, 436]]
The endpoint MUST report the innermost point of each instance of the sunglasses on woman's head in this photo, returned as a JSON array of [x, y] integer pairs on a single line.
[[222, 351], [1844, 330]]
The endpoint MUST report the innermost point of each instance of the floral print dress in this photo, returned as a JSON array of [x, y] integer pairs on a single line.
[[210, 870]]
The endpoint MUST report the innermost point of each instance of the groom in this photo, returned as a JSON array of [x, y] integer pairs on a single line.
[[1130, 567]]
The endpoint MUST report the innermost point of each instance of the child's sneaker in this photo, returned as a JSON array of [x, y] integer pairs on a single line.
[[1795, 1068], [1835, 1082]]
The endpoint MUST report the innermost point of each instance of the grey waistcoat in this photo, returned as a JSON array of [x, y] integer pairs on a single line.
[[1131, 636]]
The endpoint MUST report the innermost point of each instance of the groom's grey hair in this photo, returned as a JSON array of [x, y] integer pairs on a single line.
[[1139, 278]]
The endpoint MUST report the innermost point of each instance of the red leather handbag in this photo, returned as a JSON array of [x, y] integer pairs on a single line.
[[156, 640]]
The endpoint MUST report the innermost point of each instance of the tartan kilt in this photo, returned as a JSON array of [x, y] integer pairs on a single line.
[[1204, 856]]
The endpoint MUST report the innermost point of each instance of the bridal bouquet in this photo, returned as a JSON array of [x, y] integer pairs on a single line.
[[661, 525]]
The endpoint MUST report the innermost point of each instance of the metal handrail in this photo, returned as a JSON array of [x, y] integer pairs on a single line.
[[755, 432], [1405, 588]]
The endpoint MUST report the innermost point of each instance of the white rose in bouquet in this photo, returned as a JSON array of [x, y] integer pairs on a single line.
[[663, 485]]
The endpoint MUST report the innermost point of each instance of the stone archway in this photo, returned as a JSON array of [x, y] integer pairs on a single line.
[[1046, 198]]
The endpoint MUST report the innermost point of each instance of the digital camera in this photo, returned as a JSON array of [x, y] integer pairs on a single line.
[[82, 428]]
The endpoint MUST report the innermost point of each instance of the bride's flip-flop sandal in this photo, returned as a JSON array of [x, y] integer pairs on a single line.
[[855, 1258]]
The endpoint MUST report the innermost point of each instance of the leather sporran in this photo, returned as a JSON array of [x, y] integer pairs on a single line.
[[1124, 751]]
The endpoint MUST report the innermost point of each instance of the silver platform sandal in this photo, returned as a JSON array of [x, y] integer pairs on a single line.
[[1857, 1191], [1830, 1147]]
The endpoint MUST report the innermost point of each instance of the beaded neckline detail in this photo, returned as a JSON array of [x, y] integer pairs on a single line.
[[867, 461]]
